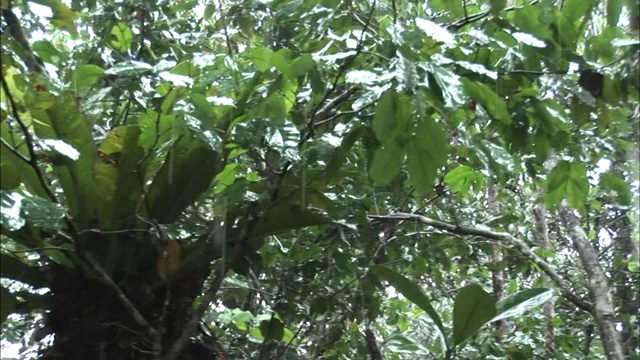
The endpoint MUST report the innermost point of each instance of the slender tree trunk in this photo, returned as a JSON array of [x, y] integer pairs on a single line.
[[497, 275], [542, 234], [597, 284]]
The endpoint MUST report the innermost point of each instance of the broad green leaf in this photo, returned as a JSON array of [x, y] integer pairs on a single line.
[[63, 16], [495, 106], [386, 163], [499, 155], [497, 6], [279, 219], [521, 302], [620, 187], [528, 39], [86, 75], [427, 151], [472, 308], [567, 180], [463, 178], [302, 65], [437, 32], [392, 115], [272, 329], [186, 173], [60, 147], [119, 175], [575, 10], [410, 290], [129, 68], [13, 169], [403, 344], [614, 8], [11, 204], [43, 214], [66, 123], [121, 37], [46, 51]]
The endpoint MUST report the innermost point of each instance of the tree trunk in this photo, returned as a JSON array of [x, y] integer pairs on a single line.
[[597, 284], [497, 274], [542, 234]]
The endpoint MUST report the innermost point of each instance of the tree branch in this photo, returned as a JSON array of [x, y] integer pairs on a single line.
[[518, 245]]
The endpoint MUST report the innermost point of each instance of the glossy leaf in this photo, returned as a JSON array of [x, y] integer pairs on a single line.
[[521, 302], [472, 308]]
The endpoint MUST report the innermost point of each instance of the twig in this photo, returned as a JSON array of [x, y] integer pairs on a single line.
[[520, 246], [456, 25]]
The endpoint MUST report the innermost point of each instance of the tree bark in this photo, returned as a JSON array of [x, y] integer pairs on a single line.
[[597, 284], [497, 274], [542, 234]]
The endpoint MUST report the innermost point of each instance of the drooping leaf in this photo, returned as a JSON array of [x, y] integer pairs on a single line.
[[427, 152], [411, 291], [386, 163], [392, 114], [472, 308], [567, 180], [620, 187]]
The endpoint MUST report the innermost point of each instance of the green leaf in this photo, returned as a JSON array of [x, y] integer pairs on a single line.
[[86, 75], [497, 6], [118, 176], [186, 173], [463, 178], [495, 106], [278, 219], [391, 116], [472, 308], [427, 152], [435, 31], [567, 180], [43, 214], [614, 8], [129, 68], [386, 163], [410, 290], [272, 329], [64, 122], [59, 147], [121, 37], [521, 302], [619, 186], [11, 206], [14, 170]]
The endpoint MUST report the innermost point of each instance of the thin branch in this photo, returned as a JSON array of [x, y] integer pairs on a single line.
[[32, 62], [520, 246], [456, 25]]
